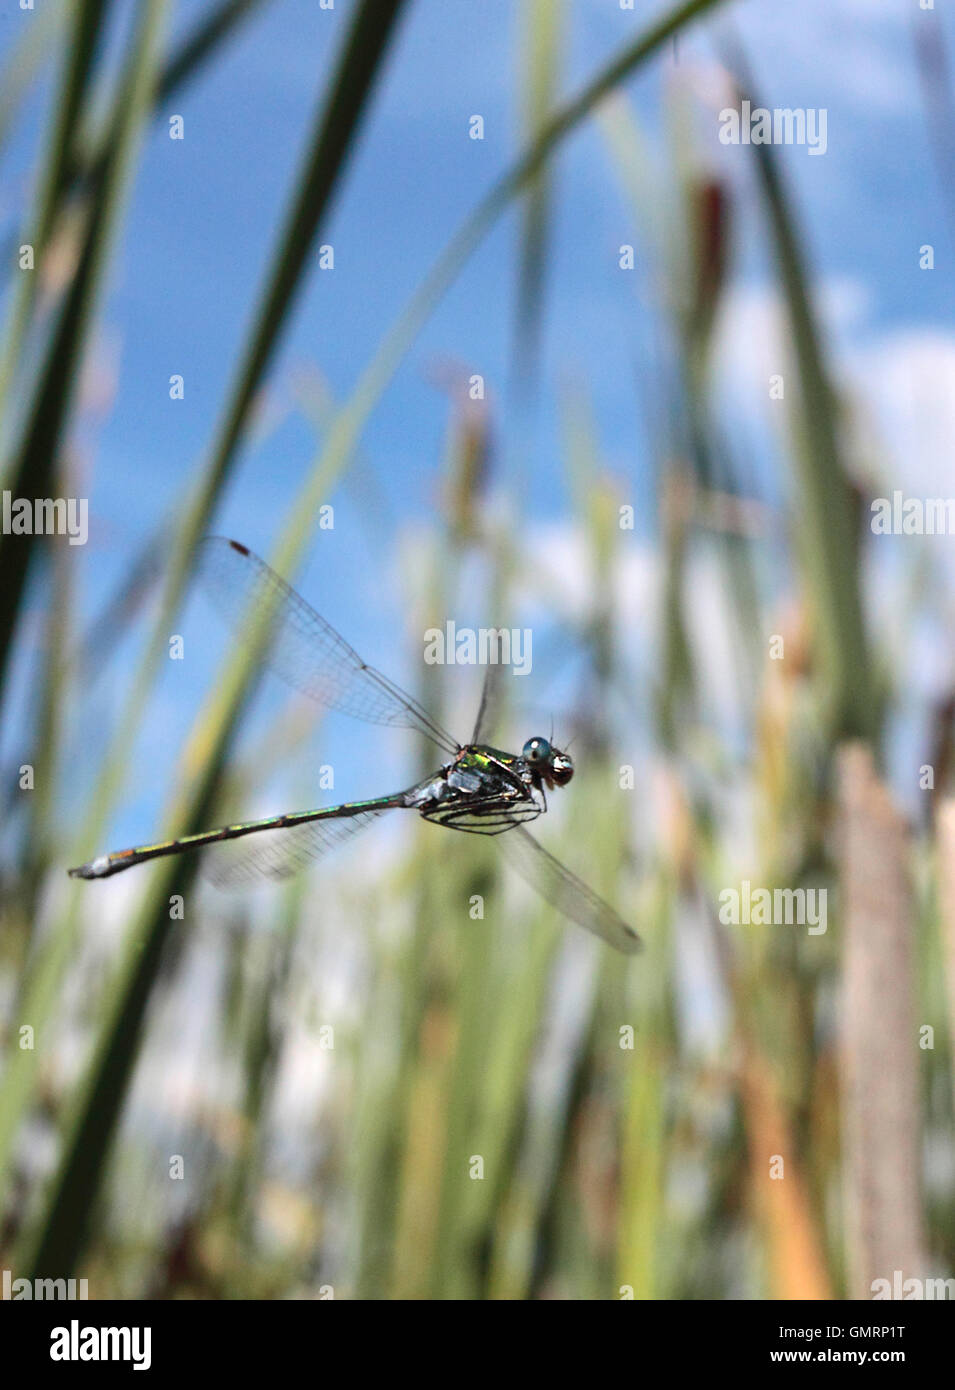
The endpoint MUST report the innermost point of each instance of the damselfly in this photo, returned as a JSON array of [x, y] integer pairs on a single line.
[[480, 789]]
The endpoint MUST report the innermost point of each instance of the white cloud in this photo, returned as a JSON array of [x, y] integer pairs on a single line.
[[852, 52], [907, 378]]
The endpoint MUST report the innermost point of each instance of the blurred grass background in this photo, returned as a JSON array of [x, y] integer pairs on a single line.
[[348, 1083]]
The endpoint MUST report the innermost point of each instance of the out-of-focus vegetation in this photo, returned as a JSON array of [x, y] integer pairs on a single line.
[[507, 1111]]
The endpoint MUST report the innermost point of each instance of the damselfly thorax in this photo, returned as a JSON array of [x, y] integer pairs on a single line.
[[484, 790]]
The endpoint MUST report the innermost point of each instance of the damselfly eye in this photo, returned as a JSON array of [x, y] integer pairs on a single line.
[[561, 768], [536, 750]]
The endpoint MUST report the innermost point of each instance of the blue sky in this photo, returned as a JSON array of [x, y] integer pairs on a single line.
[[204, 214]]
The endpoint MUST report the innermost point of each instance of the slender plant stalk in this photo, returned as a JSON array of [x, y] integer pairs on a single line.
[[880, 1077], [81, 46]]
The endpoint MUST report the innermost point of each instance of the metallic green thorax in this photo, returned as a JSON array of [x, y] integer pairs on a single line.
[[482, 756]]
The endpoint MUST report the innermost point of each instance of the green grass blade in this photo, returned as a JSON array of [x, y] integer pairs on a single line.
[[827, 532], [345, 429], [544, 20], [26, 60], [79, 67], [36, 463], [202, 43], [33, 465]]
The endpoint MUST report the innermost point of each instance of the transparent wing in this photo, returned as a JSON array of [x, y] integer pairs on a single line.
[[279, 853], [566, 891], [302, 647], [490, 705]]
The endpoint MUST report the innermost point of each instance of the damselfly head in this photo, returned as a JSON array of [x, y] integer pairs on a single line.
[[555, 767]]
